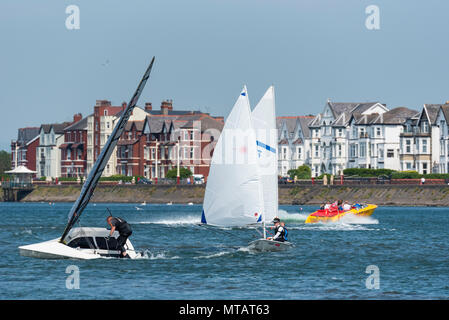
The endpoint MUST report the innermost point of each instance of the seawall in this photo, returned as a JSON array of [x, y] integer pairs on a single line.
[[392, 195]]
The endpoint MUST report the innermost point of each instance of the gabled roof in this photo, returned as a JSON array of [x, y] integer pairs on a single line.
[[24, 135], [292, 124], [432, 112], [445, 110], [58, 128], [343, 111]]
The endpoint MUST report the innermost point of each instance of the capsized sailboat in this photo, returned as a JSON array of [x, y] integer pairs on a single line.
[[264, 124], [85, 242]]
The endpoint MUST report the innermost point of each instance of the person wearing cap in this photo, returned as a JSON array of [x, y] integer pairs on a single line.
[[279, 231]]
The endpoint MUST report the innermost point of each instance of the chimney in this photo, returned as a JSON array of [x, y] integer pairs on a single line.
[[124, 105], [77, 117], [166, 106], [148, 106], [103, 103]]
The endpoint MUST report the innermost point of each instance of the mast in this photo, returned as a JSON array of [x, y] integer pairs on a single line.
[[99, 165]]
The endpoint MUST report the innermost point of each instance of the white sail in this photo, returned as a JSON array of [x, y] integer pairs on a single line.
[[233, 192], [264, 124]]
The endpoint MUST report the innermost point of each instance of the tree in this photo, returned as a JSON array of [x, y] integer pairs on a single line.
[[302, 172], [5, 161], [183, 173]]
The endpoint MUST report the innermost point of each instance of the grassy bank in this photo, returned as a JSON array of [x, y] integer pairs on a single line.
[[393, 195]]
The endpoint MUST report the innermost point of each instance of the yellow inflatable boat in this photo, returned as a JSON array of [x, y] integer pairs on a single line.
[[330, 215]]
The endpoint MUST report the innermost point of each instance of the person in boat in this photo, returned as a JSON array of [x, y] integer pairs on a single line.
[[340, 205], [124, 230], [346, 206], [279, 231], [327, 205]]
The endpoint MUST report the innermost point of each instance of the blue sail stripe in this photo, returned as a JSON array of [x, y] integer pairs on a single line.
[[263, 145]]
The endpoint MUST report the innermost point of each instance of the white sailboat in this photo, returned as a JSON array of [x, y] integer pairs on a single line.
[[264, 124], [233, 196], [89, 243], [244, 193]]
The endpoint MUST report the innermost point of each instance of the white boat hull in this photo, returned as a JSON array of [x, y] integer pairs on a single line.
[[269, 245], [53, 249]]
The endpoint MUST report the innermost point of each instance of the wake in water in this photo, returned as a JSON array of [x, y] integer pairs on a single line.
[[192, 220]]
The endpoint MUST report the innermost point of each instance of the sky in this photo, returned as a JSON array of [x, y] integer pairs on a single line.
[[206, 50]]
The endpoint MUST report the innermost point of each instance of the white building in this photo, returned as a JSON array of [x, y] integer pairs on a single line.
[[420, 141], [293, 142], [338, 136], [48, 153], [443, 123]]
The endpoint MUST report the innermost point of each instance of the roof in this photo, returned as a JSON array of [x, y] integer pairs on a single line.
[[445, 110], [20, 170], [57, 127], [292, 124], [432, 111], [80, 125], [397, 115], [24, 135]]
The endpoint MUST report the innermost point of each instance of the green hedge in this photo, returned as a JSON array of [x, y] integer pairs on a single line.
[[365, 173], [119, 177], [183, 173]]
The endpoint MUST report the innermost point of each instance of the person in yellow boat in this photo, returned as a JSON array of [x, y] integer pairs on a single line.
[[346, 206]]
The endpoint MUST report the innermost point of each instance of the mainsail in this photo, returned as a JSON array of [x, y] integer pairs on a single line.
[[264, 124], [233, 194], [103, 158]]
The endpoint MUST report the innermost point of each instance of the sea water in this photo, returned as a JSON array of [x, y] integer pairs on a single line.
[[397, 253]]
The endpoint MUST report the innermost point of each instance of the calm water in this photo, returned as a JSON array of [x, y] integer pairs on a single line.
[[187, 261]]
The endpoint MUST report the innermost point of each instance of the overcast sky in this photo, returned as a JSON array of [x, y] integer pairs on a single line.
[[207, 50]]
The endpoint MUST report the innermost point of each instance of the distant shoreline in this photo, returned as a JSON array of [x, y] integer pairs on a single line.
[[384, 195]]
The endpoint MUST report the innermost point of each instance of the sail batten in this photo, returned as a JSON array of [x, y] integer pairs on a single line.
[[99, 165]]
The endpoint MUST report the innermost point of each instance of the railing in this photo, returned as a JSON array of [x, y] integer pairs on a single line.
[[19, 185]]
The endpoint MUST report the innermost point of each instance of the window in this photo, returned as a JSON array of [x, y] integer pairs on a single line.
[[390, 153], [284, 153], [191, 153], [339, 150], [425, 127], [424, 168], [424, 146], [340, 132], [362, 150], [408, 147], [408, 166], [299, 152], [378, 132], [317, 151], [105, 112]]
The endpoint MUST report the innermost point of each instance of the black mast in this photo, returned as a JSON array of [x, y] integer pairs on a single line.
[[99, 165]]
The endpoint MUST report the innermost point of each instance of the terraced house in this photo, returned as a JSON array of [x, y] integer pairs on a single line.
[[339, 136], [293, 142]]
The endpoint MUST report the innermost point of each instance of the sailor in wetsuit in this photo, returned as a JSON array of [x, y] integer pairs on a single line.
[[124, 230], [279, 231]]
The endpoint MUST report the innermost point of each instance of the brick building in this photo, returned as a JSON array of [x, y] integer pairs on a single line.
[[25, 146]]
